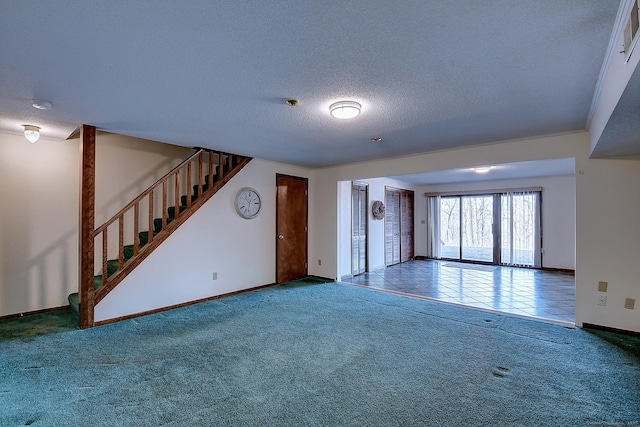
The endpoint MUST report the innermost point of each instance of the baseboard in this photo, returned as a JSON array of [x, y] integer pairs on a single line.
[[421, 258], [321, 278], [559, 270], [29, 313], [184, 304], [346, 277], [610, 329]]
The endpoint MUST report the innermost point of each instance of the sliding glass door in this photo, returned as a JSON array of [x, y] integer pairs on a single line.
[[449, 244], [500, 228], [477, 224]]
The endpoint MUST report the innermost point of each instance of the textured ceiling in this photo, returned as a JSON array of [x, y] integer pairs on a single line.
[[430, 75]]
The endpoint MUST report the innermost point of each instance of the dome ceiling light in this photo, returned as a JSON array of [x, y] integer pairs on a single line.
[[32, 133], [345, 110], [41, 105], [482, 169]]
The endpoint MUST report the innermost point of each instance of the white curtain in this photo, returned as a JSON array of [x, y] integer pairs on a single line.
[[520, 229], [433, 226]]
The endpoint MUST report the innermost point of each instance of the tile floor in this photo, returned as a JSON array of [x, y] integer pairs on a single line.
[[527, 292]]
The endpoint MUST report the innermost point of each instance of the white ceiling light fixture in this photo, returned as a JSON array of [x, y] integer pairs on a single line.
[[482, 169], [41, 105], [32, 133], [345, 110]]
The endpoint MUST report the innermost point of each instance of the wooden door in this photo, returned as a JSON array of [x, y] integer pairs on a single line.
[[291, 227], [358, 228], [392, 227], [406, 226]]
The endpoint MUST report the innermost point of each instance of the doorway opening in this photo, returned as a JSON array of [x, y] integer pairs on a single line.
[[358, 228]]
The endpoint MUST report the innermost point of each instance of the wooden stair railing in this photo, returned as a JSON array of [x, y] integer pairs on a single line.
[[205, 172]]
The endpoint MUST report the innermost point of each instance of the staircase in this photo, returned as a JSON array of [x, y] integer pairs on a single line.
[[200, 177]]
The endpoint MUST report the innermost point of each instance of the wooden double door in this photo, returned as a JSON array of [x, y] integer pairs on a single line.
[[398, 227]]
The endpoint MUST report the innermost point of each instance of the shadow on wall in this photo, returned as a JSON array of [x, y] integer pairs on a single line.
[[34, 282]]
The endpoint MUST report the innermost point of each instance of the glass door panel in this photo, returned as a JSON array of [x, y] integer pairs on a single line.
[[477, 228], [518, 245], [450, 227]]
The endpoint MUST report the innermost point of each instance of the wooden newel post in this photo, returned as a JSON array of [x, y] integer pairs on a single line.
[[87, 224]]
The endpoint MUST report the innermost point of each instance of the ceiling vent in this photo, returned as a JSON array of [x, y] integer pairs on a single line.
[[631, 31]]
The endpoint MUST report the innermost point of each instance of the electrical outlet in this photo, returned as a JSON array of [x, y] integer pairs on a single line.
[[319, 262], [629, 303], [602, 300], [215, 275], [602, 286]]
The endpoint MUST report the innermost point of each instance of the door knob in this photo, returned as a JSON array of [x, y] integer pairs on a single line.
[[281, 237]]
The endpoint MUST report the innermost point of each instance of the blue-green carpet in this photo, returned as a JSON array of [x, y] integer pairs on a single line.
[[321, 354]]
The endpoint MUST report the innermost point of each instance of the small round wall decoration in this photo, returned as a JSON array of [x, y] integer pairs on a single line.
[[248, 203], [377, 210]]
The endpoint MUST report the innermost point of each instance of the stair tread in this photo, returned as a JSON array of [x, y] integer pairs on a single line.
[[74, 302], [157, 223], [143, 237]]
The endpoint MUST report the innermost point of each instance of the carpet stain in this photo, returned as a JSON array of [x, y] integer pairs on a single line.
[[29, 422], [500, 372]]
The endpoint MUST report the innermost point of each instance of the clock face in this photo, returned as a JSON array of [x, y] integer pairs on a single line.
[[248, 203]]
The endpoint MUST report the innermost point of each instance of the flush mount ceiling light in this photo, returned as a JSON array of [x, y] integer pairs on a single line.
[[482, 169], [41, 105], [345, 109], [32, 133]]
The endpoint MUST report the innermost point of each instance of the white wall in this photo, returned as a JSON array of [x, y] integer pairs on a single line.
[[125, 167], [608, 241], [38, 223], [558, 214], [214, 239]]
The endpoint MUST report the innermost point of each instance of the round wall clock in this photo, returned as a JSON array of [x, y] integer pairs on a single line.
[[248, 203]]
